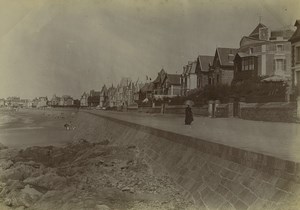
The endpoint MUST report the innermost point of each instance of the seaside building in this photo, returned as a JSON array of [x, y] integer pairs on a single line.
[[94, 98], [295, 42], [188, 78], [111, 96], [167, 84], [42, 102], [121, 92], [67, 100], [13, 101], [103, 96], [264, 53], [84, 100], [222, 69], [55, 100], [202, 70], [2, 102]]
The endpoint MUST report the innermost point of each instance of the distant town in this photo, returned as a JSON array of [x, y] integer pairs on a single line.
[[265, 68]]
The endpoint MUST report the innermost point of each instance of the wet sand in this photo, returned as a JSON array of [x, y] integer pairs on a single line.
[[32, 127]]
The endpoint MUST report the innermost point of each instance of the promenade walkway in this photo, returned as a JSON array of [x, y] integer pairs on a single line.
[[281, 140]]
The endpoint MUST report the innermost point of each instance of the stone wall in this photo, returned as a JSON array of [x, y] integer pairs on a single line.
[[275, 112], [213, 175], [222, 110], [180, 109], [175, 109]]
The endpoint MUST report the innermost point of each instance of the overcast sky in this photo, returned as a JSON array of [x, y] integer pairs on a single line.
[[71, 46]]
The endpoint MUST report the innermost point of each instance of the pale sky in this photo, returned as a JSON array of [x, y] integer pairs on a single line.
[[70, 46]]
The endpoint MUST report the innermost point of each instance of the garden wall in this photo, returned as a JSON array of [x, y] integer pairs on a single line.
[[274, 111]]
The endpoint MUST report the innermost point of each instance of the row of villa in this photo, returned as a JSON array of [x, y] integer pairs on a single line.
[[39, 102], [272, 56]]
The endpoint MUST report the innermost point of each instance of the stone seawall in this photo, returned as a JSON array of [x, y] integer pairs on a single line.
[[214, 175]]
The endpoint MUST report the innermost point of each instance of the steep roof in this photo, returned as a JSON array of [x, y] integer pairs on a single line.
[[160, 76], [205, 61], [226, 55], [147, 87], [193, 67], [296, 35], [174, 79], [255, 32]]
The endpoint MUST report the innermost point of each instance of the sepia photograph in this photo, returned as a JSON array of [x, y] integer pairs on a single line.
[[149, 105]]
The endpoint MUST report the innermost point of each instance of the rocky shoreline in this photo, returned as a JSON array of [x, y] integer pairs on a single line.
[[84, 175]]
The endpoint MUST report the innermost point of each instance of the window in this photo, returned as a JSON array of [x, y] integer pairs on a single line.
[[248, 63], [293, 56], [280, 65], [279, 47], [297, 55]]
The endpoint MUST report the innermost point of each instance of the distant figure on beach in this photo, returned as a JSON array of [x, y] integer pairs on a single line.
[[188, 115], [67, 126]]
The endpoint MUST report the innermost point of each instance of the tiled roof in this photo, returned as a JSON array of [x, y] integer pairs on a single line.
[[296, 35], [255, 32], [174, 79], [205, 61], [147, 87], [226, 55]]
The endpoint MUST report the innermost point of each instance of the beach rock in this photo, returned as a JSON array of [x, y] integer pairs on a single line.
[[33, 193], [105, 142], [128, 189], [102, 207], [2, 146], [20, 208], [5, 164], [49, 181], [7, 202]]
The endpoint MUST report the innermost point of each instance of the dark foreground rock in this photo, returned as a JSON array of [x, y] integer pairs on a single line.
[[84, 175]]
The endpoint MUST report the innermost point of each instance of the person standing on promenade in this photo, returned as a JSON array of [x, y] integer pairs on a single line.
[[188, 115]]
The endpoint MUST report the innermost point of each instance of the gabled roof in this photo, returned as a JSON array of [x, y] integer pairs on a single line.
[[255, 32], [160, 76], [226, 55], [193, 67], [205, 61], [174, 79], [147, 87], [296, 35]]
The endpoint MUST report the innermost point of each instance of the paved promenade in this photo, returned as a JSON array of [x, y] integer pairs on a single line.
[[280, 140]]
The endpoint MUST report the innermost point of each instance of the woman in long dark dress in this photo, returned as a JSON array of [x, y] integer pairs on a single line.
[[188, 115]]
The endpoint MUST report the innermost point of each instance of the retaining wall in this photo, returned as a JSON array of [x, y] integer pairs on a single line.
[[214, 175], [174, 109], [275, 111]]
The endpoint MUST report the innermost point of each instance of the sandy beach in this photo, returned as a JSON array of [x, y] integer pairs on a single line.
[[32, 127], [43, 166]]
